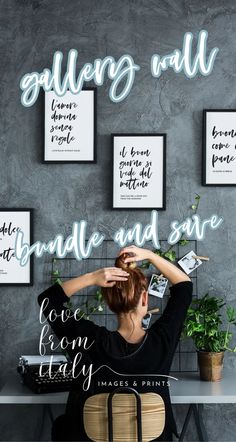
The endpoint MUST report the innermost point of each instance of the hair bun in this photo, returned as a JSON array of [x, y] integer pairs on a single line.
[[120, 262], [124, 296]]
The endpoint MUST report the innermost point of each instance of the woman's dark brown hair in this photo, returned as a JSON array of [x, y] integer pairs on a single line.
[[124, 296]]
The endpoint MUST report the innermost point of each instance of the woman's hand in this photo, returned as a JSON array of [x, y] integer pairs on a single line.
[[166, 268], [136, 254], [108, 276]]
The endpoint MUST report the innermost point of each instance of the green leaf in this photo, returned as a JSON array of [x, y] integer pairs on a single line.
[[171, 255], [69, 304], [57, 281], [231, 313], [98, 295], [145, 265], [183, 242], [159, 252], [193, 206]]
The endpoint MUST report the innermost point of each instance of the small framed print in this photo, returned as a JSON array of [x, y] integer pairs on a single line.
[[70, 127], [157, 285], [219, 147], [139, 171], [189, 263], [11, 221]]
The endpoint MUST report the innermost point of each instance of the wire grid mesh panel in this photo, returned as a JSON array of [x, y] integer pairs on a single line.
[[185, 358]]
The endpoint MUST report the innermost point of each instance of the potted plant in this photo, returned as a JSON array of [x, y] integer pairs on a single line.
[[203, 324]]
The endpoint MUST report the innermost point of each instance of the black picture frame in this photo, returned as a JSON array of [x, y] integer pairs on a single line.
[[90, 161], [31, 262], [205, 180], [163, 190]]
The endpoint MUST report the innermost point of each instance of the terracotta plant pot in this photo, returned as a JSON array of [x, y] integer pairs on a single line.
[[210, 365]]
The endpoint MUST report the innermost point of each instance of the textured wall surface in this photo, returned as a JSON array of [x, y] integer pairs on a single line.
[[30, 32]]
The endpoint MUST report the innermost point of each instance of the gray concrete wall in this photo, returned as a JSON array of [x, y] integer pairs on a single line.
[[30, 32]]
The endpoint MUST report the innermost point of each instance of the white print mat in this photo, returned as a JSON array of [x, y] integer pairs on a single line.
[[188, 263], [157, 286]]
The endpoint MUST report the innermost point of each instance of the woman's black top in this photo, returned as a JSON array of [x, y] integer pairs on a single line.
[[117, 362]]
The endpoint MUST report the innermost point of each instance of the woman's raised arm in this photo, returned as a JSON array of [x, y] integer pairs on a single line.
[[169, 270], [106, 277]]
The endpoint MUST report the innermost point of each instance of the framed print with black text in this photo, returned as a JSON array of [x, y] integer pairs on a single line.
[[70, 127], [139, 171], [219, 147], [11, 271]]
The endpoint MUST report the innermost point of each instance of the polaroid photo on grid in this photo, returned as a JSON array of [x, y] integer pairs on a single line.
[[157, 285], [189, 263], [146, 321]]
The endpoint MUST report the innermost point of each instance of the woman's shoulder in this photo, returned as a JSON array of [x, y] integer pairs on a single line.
[[182, 285]]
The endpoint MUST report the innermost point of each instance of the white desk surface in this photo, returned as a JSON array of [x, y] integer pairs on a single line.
[[186, 390], [189, 389]]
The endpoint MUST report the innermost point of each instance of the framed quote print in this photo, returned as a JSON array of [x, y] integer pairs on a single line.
[[70, 127], [139, 171], [219, 147], [11, 221]]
